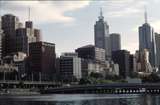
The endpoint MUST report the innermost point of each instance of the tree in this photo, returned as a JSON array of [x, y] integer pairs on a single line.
[[96, 75], [84, 81], [153, 78]]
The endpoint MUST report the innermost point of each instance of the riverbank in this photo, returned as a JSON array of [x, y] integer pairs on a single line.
[[19, 91]]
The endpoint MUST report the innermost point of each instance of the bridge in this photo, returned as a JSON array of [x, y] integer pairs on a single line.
[[114, 88]]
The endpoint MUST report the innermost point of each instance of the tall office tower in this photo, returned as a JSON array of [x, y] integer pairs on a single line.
[[157, 37], [37, 34], [29, 24], [70, 66], [121, 57], [9, 25], [91, 52], [147, 41], [101, 35], [42, 60], [24, 36], [1, 36], [115, 40]]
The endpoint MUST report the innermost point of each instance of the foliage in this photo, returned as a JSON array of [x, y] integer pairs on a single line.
[[21, 84], [152, 78], [84, 81], [96, 75]]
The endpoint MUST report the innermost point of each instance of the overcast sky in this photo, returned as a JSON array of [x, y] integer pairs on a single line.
[[70, 24]]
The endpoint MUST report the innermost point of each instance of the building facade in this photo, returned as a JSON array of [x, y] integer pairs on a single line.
[[8, 72], [91, 52], [24, 36], [9, 25], [101, 35], [115, 40], [121, 57], [29, 24], [42, 60], [37, 34], [19, 60], [147, 41], [132, 65], [70, 66], [1, 36], [144, 65], [157, 38]]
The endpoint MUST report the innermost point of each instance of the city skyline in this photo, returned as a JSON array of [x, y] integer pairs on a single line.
[[77, 26]]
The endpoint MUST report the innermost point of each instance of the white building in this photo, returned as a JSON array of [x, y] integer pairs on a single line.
[[70, 66]]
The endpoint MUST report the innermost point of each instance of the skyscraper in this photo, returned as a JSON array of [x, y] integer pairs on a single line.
[[157, 37], [29, 24], [115, 40], [1, 35], [9, 25], [121, 57], [42, 60], [37, 34], [147, 40], [101, 35], [24, 36]]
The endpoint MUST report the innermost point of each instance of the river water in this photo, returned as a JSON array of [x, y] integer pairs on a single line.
[[81, 99]]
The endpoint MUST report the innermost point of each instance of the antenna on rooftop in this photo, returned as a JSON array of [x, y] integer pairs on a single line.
[[29, 13], [101, 14], [145, 15]]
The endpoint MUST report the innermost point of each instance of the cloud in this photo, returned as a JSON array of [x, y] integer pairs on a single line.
[[124, 13], [124, 8], [43, 11], [156, 1]]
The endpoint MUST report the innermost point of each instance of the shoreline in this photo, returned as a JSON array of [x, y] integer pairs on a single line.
[[19, 91]]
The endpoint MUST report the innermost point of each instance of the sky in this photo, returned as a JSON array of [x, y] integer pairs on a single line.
[[70, 24]]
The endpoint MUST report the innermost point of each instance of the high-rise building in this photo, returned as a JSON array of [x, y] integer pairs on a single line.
[[91, 52], [70, 66], [42, 60], [37, 34], [121, 57], [1, 36], [147, 41], [9, 25], [24, 36], [101, 35], [157, 37], [115, 40]]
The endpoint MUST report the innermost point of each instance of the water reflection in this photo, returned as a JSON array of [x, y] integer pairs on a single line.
[[81, 100]]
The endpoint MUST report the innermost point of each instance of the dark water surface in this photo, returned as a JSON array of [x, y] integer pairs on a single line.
[[81, 99]]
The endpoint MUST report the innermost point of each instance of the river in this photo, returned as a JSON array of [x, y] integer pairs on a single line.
[[81, 99]]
